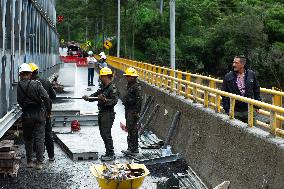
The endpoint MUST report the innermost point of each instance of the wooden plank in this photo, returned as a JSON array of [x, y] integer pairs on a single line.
[[12, 172], [6, 145], [8, 149], [9, 163], [8, 155]]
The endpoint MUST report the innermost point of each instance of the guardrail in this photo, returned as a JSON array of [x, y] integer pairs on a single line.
[[190, 86], [9, 119]]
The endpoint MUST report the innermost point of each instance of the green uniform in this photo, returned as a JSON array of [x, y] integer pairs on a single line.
[[132, 102], [106, 114], [34, 101]]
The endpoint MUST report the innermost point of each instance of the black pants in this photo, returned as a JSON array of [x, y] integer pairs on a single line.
[[105, 120], [34, 133], [49, 142], [131, 124], [91, 72]]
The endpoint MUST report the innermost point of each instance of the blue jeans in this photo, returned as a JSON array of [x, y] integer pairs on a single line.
[[91, 72]]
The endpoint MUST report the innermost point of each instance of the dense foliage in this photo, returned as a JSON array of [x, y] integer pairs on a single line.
[[209, 33]]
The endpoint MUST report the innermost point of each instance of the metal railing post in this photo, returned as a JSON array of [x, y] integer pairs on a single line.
[[277, 101], [232, 108], [206, 94], [273, 122], [212, 84], [165, 73], [188, 91], [250, 115], [172, 80], [217, 103], [179, 87], [154, 76]]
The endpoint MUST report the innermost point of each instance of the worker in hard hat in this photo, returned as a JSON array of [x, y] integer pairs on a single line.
[[34, 100], [103, 58], [107, 98], [49, 142], [132, 102], [91, 61]]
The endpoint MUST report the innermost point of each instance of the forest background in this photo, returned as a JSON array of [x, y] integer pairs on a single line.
[[209, 33]]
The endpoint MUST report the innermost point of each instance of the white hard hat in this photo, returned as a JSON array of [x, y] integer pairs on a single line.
[[90, 53], [103, 57], [102, 54], [25, 68]]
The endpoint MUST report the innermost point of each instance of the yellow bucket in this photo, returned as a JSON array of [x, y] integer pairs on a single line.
[[133, 183]]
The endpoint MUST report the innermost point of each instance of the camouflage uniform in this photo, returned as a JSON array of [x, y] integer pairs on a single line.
[[34, 101], [132, 102], [106, 114], [49, 142]]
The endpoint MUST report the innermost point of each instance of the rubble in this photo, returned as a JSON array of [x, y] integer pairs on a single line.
[[9, 160]]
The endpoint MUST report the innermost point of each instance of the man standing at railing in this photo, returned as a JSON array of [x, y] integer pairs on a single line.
[[243, 82]]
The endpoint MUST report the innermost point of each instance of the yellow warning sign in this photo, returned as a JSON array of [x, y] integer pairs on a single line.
[[89, 43], [107, 44]]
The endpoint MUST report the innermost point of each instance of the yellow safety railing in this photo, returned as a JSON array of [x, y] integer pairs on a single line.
[[203, 89]]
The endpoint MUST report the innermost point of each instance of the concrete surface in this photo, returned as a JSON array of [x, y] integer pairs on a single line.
[[217, 148], [64, 173]]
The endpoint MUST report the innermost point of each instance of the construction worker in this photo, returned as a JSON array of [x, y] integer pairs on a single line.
[[49, 142], [91, 61], [33, 99], [132, 102], [107, 98], [103, 58]]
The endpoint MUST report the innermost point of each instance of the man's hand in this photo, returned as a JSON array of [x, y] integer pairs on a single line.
[[85, 97], [102, 98], [48, 114]]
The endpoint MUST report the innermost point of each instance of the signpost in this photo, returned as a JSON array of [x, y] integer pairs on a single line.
[[60, 18], [107, 44]]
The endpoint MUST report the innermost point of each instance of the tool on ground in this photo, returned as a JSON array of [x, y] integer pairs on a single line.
[[141, 126], [145, 109], [165, 154], [166, 149], [75, 126]]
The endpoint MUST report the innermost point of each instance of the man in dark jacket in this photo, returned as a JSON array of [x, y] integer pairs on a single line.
[[132, 102], [243, 82], [107, 98], [49, 142], [33, 100]]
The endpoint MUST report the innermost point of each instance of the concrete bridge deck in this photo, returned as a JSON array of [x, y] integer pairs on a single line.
[[65, 173]]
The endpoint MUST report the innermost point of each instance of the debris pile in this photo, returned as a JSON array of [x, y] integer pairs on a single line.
[[9, 162], [148, 140], [121, 172]]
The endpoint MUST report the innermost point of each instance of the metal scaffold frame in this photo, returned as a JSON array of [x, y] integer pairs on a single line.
[[27, 34]]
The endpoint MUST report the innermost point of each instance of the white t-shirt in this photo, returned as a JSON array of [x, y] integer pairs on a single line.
[[91, 60]]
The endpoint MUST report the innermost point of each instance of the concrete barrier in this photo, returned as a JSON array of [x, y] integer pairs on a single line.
[[216, 147]]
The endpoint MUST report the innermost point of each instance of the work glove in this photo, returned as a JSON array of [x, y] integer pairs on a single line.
[[85, 97], [102, 98]]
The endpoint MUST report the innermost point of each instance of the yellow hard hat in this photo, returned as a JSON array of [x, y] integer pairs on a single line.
[[33, 66], [105, 71], [131, 72]]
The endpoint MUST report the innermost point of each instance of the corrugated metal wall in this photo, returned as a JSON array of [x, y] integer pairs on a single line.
[[27, 34]]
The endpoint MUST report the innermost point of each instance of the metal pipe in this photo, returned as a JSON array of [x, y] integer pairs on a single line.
[[172, 30], [118, 28], [172, 128]]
